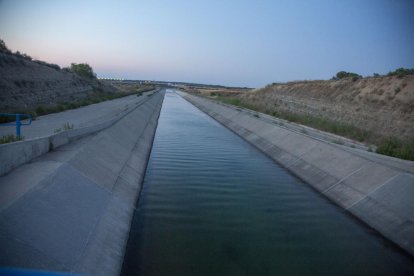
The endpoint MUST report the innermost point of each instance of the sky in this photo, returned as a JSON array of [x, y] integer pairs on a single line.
[[233, 43]]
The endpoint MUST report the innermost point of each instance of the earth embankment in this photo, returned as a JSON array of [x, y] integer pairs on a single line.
[[381, 106], [26, 84]]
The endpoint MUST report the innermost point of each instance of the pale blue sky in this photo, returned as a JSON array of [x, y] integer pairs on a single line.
[[240, 43]]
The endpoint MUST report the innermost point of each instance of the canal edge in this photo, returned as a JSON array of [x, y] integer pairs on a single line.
[[389, 219]]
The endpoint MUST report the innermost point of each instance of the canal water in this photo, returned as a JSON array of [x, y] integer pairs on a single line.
[[211, 204]]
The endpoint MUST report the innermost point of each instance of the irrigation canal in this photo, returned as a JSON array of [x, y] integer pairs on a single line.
[[211, 204]]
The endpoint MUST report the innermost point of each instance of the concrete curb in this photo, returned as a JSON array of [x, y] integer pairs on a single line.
[[18, 153], [376, 189]]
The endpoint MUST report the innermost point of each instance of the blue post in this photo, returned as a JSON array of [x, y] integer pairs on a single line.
[[18, 124]]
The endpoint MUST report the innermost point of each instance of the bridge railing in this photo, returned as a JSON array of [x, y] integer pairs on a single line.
[[18, 121]]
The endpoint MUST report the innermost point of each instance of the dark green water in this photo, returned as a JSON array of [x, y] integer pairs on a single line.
[[212, 204]]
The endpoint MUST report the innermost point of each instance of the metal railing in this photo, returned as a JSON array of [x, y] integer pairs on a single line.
[[18, 121]]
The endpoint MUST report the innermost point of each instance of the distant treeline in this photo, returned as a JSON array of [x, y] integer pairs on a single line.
[[399, 73]]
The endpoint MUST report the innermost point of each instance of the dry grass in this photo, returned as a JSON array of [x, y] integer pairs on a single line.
[[378, 111]]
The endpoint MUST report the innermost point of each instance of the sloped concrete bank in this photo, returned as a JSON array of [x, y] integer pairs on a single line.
[[70, 209], [18, 153], [378, 190]]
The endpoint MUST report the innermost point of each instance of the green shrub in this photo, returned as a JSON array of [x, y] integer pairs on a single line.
[[60, 108], [344, 74], [396, 148], [40, 110], [83, 70], [401, 72]]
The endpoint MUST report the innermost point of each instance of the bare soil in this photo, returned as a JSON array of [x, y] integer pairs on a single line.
[[381, 105], [26, 85]]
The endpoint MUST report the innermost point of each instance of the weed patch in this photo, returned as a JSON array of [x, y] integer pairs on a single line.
[[323, 124], [235, 101], [10, 138], [67, 126], [396, 148], [338, 142], [391, 146]]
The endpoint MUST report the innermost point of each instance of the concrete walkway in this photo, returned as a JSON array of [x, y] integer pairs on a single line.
[[80, 117]]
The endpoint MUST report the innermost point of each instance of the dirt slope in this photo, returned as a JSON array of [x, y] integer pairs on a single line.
[[26, 84], [382, 105]]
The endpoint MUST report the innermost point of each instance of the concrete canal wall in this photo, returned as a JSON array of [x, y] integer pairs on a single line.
[[379, 190], [71, 208], [18, 153]]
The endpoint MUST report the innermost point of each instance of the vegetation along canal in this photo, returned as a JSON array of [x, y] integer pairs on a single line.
[[212, 204]]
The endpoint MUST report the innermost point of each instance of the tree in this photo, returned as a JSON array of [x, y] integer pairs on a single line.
[[401, 72], [343, 75], [83, 70]]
